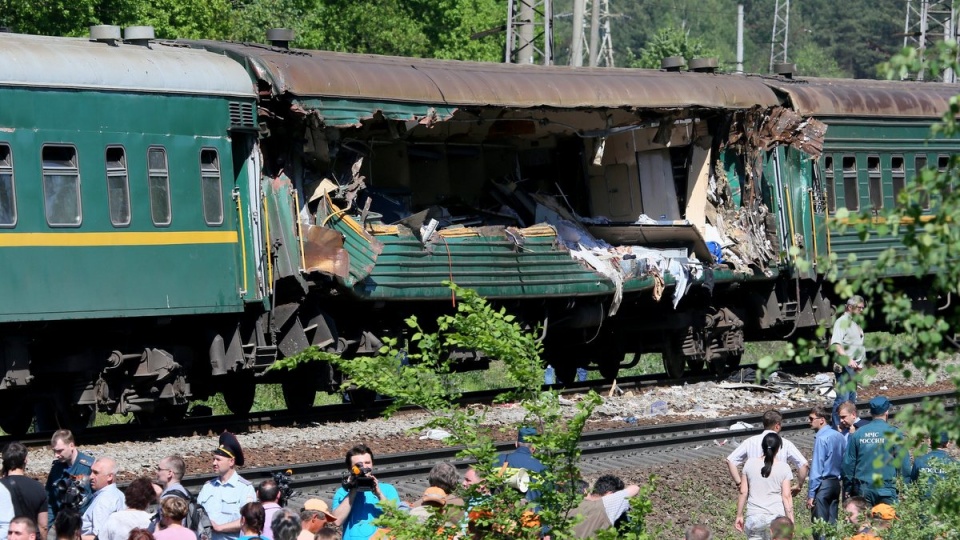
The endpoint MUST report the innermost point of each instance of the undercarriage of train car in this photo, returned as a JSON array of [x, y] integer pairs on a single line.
[[611, 231]]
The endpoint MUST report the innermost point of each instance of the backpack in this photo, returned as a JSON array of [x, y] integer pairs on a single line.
[[197, 519]]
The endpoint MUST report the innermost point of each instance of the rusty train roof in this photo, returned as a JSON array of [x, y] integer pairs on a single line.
[[78, 63], [866, 98], [324, 74]]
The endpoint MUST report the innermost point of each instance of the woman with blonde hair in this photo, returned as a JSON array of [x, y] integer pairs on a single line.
[[765, 492]]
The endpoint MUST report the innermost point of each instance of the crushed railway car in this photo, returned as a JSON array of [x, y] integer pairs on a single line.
[[617, 210]]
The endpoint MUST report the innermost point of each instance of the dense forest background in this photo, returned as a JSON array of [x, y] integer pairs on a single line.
[[827, 38]]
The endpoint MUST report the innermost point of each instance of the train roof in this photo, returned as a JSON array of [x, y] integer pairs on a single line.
[[78, 63], [865, 97], [323, 74]]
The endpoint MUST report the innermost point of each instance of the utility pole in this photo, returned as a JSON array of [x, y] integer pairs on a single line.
[[927, 22], [740, 38], [529, 32], [600, 45], [781, 31]]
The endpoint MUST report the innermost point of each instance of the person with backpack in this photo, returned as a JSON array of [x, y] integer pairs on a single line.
[[174, 512], [170, 471], [28, 496]]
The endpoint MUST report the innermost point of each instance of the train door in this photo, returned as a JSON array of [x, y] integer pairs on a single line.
[[248, 200], [799, 208]]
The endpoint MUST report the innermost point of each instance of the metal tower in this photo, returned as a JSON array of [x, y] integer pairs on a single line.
[[927, 22], [599, 47], [529, 32], [781, 31]]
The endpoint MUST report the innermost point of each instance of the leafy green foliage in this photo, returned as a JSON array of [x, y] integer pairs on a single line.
[[419, 372], [668, 41]]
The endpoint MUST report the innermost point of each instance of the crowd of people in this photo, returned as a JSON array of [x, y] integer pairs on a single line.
[[81, 500]]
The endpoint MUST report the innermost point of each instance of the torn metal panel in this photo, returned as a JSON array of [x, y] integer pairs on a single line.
[[866, 98], [785, 126], [323, 251], [339, 240]]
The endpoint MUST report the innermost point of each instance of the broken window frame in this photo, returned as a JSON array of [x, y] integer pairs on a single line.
[[211, 187], [829, 184], [875, 182], [851, 180], [62, 205], [158, 182], [118, 186], [8, 191], [898, 176]]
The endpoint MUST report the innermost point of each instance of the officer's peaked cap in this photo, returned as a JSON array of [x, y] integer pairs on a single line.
[[230, 447]]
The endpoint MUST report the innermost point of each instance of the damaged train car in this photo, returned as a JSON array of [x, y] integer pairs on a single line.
[[622, 211]]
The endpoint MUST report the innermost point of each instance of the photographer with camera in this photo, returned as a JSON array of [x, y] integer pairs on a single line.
[[70, 469], [223, 496], [356, 502]]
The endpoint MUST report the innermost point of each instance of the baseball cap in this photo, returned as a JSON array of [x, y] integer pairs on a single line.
[[883, 511], [434, 495], [879, 405], [524, 433], [319, 505]]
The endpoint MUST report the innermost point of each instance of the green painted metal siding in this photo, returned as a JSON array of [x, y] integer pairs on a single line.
[[102, 270]]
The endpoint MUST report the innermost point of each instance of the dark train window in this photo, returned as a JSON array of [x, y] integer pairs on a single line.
[[159, 179], [851, 192], [829, 184], [118, 188], [210, 187], [8, 198], [943, 161], [920, 162], [876, 182], [899, 177], [61, 186]]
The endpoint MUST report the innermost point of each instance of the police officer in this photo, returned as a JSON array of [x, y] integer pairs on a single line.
[[70, 462], [877, 443], [223, 496]]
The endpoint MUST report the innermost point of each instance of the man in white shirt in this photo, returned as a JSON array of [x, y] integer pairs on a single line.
[[6, 511], [751, 448], [107, 497]]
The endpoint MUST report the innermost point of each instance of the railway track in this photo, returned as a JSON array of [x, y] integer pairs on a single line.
[[204, 425], [602, 451]]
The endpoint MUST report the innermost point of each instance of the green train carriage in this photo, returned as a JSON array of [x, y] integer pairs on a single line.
[[126, 178]]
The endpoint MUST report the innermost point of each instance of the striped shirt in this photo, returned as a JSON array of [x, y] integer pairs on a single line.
[[752, 448]]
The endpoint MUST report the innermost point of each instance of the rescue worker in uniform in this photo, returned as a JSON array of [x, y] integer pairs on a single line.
[[875, 443], [69, 462], [522, 458], [223, 496]]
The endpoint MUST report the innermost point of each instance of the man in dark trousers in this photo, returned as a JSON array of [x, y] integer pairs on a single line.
[[522, 458], [825, 468], [28, 496], [876, 449]]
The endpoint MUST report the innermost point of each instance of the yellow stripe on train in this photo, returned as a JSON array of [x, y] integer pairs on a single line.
[[126, 238]]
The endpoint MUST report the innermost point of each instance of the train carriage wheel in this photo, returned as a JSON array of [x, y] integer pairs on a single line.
[[674, 362], [16, 415], [298, 393], [239, 393]]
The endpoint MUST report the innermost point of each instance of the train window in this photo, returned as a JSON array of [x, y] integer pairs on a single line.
[[159, 179], [876, 183], [899, 176], [8, 199], [210, 187], [829, 184], [943, 161], [61, 185], [851, 192], [920, 162], [118, 188]]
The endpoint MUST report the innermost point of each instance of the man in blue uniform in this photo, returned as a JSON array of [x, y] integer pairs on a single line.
[[876, 449], [357, 502], [932, 462], [824, 494], [70, 463], [522, 458], [223, 496]]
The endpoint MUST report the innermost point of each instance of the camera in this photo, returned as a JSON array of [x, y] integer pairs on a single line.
[[282, 478], [70, 492], [359, 478]]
